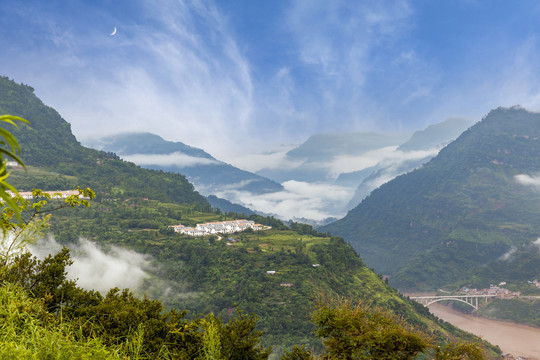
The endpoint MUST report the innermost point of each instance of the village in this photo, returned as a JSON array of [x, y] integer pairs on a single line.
[[222, 227], [57, 194], [498, 291]]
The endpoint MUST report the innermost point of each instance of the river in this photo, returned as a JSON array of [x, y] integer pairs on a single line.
[[512, 338]]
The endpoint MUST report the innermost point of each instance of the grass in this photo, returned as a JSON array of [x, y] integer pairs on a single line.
[[28, 332]]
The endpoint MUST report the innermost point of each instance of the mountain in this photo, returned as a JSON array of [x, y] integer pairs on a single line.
[[419, 149], [382, 173], [204, 171], [436, 135], [227, 206], [324, 147], [275, 273], [470, 216], [315, 156]]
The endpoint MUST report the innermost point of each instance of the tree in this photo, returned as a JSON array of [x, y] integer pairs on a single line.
[[357, 331], [297, 353], [352, 330], [459, 351]]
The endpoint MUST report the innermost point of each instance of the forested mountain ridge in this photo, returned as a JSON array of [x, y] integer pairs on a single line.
[[455, 219]]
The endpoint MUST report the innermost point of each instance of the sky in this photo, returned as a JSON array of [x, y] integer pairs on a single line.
[[238, 77]]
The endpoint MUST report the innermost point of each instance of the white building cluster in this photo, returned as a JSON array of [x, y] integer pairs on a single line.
[[493, 290], [223, 227], [59, 194]]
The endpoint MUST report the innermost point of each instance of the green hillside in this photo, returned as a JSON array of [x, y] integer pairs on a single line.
[[134, 208], [49, 145], [452, 221]]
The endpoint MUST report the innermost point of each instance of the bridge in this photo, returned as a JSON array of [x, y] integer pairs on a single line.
[[471, 300]]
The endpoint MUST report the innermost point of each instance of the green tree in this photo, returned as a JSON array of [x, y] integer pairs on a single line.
[[297, 353], [459, 351], [357, 331]]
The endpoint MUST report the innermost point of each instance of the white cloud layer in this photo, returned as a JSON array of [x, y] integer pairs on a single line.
[[528, 180], [316, 201], [176, 158], [384, 157], [537, 243], [97, 269]]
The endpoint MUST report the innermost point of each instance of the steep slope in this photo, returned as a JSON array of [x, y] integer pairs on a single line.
[[436, 135], [204, 171], [461, 216], [50, 145], [226, 206], [419, 149]]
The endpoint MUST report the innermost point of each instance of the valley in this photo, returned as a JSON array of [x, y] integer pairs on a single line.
[[216, 180], [276, 273]]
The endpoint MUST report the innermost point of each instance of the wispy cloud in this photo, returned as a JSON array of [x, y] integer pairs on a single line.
[[507, 256], [174, 69], [188, 71], [345, 54]]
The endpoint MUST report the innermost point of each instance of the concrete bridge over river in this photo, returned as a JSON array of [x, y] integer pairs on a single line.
[[471, 300]]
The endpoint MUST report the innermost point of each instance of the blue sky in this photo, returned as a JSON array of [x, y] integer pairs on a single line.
[[234, 75]]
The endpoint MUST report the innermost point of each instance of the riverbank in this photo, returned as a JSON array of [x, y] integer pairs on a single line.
[[519, 340]]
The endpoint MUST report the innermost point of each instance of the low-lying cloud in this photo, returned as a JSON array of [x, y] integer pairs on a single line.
[[99, 269], [253, 160], [527, 180], [384, 157], [508, 255], [537, 243], [173, 159], [316, 201]]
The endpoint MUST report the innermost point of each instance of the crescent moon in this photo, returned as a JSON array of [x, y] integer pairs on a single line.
[[114, 31]]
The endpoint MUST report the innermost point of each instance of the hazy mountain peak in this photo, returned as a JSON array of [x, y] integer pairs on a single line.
[[209, 175], [130, 143], [436, 135], [324, 146]]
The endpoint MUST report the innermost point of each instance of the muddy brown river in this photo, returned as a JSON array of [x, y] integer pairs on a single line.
[[512, 338]]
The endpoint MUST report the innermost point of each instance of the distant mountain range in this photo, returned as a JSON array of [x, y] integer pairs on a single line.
[[315, 156], [468, 216], [207, 174], [324, 160]]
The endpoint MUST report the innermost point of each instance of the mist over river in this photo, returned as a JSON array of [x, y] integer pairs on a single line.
[[512, 338]]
